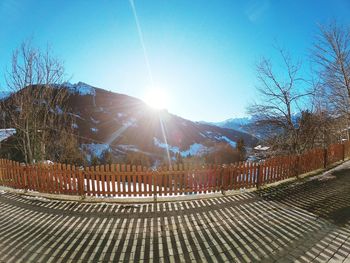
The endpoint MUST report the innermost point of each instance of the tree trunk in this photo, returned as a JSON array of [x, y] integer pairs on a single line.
[[28, 145]]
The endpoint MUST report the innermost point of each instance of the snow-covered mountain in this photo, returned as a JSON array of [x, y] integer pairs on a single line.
[[238, 124], [246, 124]]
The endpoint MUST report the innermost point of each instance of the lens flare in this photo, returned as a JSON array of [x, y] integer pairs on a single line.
[[156, 98]]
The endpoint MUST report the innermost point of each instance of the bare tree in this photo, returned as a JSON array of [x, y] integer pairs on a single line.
[[281, 94], [331, 52], [37, 105]]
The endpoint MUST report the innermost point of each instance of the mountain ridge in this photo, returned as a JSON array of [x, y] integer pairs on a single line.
[[118, 120], [107, 121]]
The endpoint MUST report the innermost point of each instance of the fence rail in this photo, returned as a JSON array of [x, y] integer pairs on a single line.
[[120, 180]]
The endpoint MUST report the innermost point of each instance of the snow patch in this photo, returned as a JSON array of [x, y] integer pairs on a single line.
[[203, 135], [96, 149], [94, 130], [36, 198], [129, 147], [59, 110], [4, 94], [224, 138], [194, 149], [48, 162], [6, 133], [163, 145], [94, 121], [261, 148], [130, 122], [81, 88], [221, 138], [75, 115]]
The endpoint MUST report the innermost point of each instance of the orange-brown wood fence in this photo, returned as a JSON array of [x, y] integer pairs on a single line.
[[120, 180]]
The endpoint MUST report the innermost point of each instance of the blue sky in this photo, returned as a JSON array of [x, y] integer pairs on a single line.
[[202, 53]]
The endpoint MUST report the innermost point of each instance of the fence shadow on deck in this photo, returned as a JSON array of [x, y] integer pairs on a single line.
[[328, 196], [242, 228]]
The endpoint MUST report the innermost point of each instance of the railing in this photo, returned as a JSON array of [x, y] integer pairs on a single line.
[[135, 181]]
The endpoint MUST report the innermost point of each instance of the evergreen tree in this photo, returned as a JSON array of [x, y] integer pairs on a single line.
[[179, 158], [108, 157], [95, 160], [241, 149]]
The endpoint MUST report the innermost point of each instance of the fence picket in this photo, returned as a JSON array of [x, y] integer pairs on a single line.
[[126, 180], [113, 181]]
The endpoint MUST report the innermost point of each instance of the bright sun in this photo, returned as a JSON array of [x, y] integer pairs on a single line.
[[156, 98]]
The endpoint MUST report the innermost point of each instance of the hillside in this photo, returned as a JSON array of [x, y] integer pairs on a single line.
[[247, 125], [122, 123], [238, 124], [105, 121]]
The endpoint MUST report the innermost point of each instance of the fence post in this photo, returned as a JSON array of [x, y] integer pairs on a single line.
[[81, 182], [325, 158], [222, 171], [25, 177], [297, 166], [154, 180], [343, 148], [258, 176], [1, 178]]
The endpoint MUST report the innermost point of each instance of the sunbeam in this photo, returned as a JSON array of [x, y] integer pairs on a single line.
[[139, 30], [118, 132], [165, 139]]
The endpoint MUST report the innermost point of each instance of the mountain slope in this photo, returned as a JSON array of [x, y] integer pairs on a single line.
[[107, 122], [238, 124], [123, 123], [246, 125]]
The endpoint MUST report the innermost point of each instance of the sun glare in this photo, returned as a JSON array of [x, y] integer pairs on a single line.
[[156, 99]]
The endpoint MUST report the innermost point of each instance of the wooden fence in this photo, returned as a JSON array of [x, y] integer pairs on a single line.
[[120, 180]]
